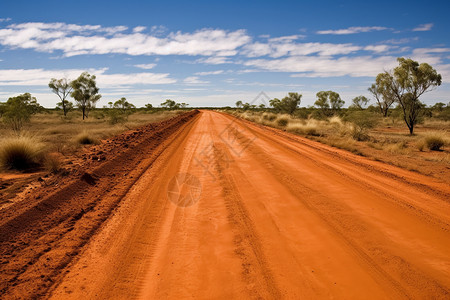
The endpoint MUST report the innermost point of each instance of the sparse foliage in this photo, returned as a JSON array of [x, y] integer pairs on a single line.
[[359, 102], [288, 104], [18, 110], [85, 92], [62, 88], [383, 95], [407, 83], [329, 102]]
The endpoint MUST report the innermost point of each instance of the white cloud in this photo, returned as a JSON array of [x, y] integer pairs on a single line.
[[352, 30], [214, 60], [424, 27], [139, 28], [378, 48], [326, 66], [5, 19], [287, 38], [284, 48], [209, 73], [72, 39], [401, 41], [194, 80], [41, 77], [145, 66]]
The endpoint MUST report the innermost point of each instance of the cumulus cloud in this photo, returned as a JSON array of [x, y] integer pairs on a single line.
[[210, 73], [214, 60], [194, 80], [284, 48], [424, 27], [378, 48], [352, 30], [5, 19], [139, 28], [72, 39], [326, 66], [145, 66], [41, 77]]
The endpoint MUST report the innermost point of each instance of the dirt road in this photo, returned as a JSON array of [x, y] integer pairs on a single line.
[[230, 209]]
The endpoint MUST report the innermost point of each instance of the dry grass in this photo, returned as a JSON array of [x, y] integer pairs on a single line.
[[21, 152], [64, 135], [386, 140], [434, 141], [85, 138]]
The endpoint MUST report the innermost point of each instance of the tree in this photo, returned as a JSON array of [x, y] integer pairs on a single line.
[[62, 88], [65, 105], [439, 106], [85, 92], [124, 106], [119, 110], [382, 93], [276, 104], [288, 104], [408, 82], [2, 109], [359, 102], [170, 104], [239, 104], [18, 110], [262, 106], [148, 106], [328, 102]]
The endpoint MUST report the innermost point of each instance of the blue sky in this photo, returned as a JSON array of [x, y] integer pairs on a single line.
[[213, 53]]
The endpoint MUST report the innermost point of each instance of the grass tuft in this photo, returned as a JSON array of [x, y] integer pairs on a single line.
[[283, 121], [85, 138], [21, 153], [434, 142]]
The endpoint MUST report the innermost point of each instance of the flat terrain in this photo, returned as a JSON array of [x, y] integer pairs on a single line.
[[207, 206]]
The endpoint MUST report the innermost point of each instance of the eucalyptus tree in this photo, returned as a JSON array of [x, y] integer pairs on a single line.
[[329, 102], [359, 102], [85, 92], [383, 95], [407, 83], [62, 88]]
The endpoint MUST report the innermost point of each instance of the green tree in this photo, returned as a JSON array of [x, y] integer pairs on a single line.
[[85, 92], [382, 93], [62, 88], [65, 105], [328, 102], [439, 106], [359, 102], [239, 104], [124, 106], [18, 110], [170, 104], [288, 104], [408, 82], [148, 106], [276, 104]]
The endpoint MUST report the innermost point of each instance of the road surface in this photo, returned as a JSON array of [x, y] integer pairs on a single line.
[[231, 209]]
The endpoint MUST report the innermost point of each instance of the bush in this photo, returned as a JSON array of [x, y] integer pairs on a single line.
[[85, 138], [362, 122], [282, 122], [434, 142], [21, 153]]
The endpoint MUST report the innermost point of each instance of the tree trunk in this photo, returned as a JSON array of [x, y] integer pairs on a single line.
[[64, 107], [411, 129]]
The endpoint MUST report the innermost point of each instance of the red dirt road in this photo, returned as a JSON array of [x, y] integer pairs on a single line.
[[261, 214]]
